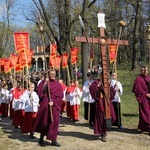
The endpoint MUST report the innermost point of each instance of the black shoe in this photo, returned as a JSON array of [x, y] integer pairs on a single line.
[[40, 142], [55, 143], [103, 138], [121, 127], [16, 127], [91, 124], [31, 136]]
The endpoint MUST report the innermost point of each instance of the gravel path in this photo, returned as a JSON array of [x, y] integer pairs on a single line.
[[73, 136]]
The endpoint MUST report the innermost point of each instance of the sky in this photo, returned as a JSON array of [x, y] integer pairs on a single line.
[[21, 4], [16, 14]]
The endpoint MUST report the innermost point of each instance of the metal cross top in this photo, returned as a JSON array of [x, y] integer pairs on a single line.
[[103, 41]]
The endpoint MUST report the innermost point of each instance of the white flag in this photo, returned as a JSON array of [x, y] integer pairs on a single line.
[[101, 20]]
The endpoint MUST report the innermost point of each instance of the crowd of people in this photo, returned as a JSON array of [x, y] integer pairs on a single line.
[[36, 106]]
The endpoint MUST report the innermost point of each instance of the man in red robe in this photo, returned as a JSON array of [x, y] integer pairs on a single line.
[[97, 93], [47, 123], [141, 88]]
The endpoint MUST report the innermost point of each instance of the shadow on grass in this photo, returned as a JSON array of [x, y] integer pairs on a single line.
[[80, 135], [130, 115], [126, 130], [67, 121], [15, 134]]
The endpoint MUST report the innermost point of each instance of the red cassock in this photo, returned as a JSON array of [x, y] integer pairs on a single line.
[[68, 109], [18, 114], [4, 109], [63, 104], [11, 109], [28, 122]]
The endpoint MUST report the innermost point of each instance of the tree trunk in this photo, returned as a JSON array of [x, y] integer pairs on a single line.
[[136, 35], [84, 46]]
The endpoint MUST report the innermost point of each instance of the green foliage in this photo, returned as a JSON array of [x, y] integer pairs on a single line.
[[129, 105]]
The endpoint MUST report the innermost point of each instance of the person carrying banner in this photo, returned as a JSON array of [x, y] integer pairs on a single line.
[[88, 101], [4, 100], [19, 105], [117, 100], [75, 97], [31, 108]]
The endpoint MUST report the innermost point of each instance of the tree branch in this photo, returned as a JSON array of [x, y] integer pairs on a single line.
[[92, 3]]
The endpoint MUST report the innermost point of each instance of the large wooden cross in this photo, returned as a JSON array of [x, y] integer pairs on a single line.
[[103, 42]]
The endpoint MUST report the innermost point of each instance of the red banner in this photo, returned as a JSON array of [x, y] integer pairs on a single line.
[[74, 54], [25, 58], [65, 60], [53, 49], [21, 41], [13, 60], [6, 65], [58, 62], [18, 68], [1, 61], [30, 55], [52, 61], [112, 52]]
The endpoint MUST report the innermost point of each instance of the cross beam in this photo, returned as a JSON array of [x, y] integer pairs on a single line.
[[103, 42]]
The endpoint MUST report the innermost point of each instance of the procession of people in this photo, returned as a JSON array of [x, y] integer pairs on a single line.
[[39, 105]]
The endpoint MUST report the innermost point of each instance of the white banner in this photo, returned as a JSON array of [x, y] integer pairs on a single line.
[[101, 20]]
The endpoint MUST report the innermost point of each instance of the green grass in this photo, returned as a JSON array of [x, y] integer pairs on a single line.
[[129, 105]]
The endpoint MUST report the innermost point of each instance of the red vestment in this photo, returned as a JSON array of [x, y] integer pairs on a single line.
[[68, 109], [141, 89], [43, 123]]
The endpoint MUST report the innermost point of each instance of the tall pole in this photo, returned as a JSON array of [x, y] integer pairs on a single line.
[[42, 30], [148, 39], [121, 24]]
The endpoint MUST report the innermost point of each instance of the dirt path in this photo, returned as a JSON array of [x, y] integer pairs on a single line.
[[73, 137]]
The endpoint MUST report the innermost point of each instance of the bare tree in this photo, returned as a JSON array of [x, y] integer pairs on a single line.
[[136, 33], [6, 12]]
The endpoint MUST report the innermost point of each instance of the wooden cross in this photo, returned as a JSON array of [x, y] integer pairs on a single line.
[[103, 42]]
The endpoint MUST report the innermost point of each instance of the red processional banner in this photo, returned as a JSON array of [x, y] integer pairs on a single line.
[[65, 60], [58, 62], [52, 60], [112, 52], [25, 58], [30, 55], [74, 54], [21, 41], [6, 65], [13, 60], [1, 61], [53, 49], [18, 68]]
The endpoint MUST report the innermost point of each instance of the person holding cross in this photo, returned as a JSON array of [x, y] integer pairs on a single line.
[[47, 122]]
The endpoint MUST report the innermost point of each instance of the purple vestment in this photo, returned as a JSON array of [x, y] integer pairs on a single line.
[[99, 119], [43, 122], [141, 89]]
